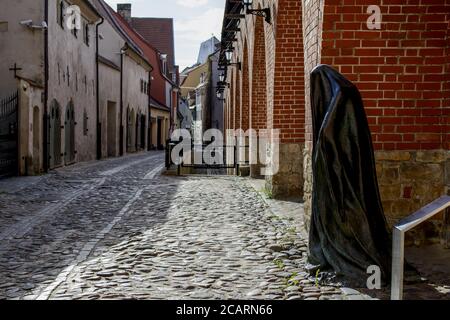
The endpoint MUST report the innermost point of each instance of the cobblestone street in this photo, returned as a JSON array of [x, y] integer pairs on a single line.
[[119, 229]]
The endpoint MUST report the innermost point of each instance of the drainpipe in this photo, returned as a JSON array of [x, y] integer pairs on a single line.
[[45, 116], [149, 135], [99, 124], [121, 129]]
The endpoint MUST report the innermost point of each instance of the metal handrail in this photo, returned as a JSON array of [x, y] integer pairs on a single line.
[[398, 241]]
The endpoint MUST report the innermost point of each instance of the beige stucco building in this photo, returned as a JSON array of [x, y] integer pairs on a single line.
[[195, 91], [124, 77]]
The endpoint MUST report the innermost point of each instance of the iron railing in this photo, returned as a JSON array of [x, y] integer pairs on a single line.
[[9, 135], [228, 155], [398, 241]]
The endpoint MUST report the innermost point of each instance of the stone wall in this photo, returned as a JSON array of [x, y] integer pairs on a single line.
[[288, 181], [409, 180]]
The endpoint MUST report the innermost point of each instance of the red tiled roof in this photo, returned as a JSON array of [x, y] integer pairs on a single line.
[[159, 32]]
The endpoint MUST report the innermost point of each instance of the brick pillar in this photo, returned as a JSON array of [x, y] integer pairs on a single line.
[[244, 168], [237, 103], [311, 37], [288, 110], [258, 112]]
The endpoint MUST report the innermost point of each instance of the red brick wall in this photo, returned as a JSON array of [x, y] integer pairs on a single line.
[[311, 32], [259, 81], [400, 69], [446, 117], [289, 89], [232, 102], [245, 113], [237, 103]]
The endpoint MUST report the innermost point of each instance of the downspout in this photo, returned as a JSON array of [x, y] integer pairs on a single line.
[[149, 135], [46, 73], [99, 124], [121, 129]]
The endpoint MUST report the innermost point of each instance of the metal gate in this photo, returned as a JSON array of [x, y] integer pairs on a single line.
[[69, 134], [197, 157], [54, 132], [9, 135]]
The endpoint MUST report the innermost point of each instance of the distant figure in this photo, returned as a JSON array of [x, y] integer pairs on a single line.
[[348, 228]]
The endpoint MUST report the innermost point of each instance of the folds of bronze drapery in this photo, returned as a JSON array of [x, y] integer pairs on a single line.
[[348, 228]]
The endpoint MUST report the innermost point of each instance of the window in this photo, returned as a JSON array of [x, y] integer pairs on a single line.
[[86, 36], [164, 63], [59, 74], [3, 26], [85, 123], [61, 13], [75, 31]]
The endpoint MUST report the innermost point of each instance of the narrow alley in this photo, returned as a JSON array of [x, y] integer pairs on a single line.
[[121, 229], [118, 229]]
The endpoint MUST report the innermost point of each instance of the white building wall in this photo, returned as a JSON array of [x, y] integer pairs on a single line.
[[72, 76], [19, 44]]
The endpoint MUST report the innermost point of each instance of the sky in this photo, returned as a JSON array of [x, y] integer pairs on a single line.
[[194, 20]]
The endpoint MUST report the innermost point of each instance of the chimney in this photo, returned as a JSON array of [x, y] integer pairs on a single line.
[[124, 9]]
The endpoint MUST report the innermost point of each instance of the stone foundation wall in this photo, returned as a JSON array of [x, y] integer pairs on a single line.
[[308, 184], [288, 182], [409, 180]]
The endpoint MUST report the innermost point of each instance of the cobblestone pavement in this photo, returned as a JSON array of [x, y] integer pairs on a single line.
[[118, 229]]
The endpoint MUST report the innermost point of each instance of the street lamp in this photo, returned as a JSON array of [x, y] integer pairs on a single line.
[[229, 55], [229, 58], [265, 13]]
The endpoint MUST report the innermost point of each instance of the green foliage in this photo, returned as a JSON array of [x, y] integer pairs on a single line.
[[279, 263], [317, 277]]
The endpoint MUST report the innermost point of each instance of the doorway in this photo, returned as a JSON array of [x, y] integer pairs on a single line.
[[54, 130], [69, 133], [111, 129], [159, 135], [36, 140]]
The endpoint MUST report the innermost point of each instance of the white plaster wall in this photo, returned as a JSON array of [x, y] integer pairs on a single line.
[[133, 98], [73, 54], [109, 92], [30, 162], [20, 45]]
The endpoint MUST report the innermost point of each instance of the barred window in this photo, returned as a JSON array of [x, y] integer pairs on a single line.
[[60, 11]]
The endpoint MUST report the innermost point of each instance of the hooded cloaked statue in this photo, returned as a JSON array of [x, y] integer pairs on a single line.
[[348, 231]]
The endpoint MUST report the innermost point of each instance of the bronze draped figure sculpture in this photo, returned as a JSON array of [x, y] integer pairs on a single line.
[[348, 231]]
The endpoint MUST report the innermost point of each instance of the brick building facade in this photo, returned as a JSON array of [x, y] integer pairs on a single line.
[[402, 71]]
